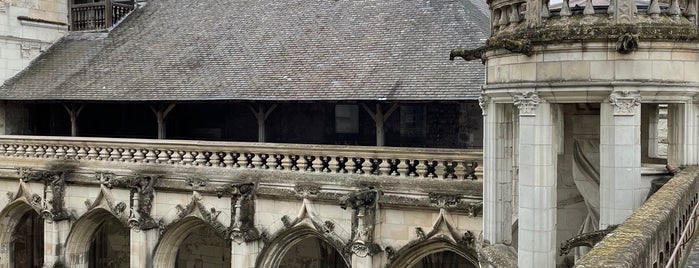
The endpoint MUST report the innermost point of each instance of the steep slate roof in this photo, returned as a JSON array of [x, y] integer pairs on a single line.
[[266, 50]]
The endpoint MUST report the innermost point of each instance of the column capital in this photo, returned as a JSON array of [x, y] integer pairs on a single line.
[[483, 102], [625, 102], [527, 102]]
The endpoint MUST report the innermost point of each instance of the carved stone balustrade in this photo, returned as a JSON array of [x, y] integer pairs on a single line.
[[388, 161]]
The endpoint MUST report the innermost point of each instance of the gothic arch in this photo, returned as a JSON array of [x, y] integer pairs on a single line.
[[275, 250], [174, 235], [412, 254], [81, 234], [9, 219]]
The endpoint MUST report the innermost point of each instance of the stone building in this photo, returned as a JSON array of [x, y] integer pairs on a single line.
[[571, 111], [289, 134]]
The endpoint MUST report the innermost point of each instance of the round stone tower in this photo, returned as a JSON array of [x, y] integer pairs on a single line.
[[572, 105]]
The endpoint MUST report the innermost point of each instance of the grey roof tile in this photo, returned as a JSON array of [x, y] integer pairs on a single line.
[[267, 50]]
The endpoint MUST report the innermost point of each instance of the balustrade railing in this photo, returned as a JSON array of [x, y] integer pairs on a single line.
[[98, 15], [657, 233], [388, 161], [506, 14]]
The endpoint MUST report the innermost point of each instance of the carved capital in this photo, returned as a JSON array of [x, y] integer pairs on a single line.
[[483, 102], [625, 102], [527, 103]]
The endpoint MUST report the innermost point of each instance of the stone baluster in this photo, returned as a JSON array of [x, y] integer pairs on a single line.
[[114, 155], [215, 159], [3, 149], [302, 163], [60, 152], [440, 169], [39, 152], [29, 152], [460, 170], [565, 9], [200, 159], [103, 154], [588, 11], [82, 153], [71, 153], [10, 150], [162, 157], [514, 13], [674, 9], [384, 167], [228, 160], [317, 164], [257, 161], [333, 165], [402, 167], [151, 156], [545, 13], [92, 153], [533, 15], [175, 157], [286, 162], [127, 155], [187, 158], [504, 20], [243, 160], [50, 151], [273, 161], [611, 8], [421, 169], [691, 11], [495, 22], [654, 9], [367, 166], [19, 151]]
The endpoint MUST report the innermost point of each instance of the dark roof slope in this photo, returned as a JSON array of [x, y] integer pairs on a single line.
[[266, 50]]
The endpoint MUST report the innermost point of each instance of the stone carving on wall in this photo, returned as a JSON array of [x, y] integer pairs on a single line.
[[625, 102], [105, 200], [498, 255], [209, 216], [627, 43], [483, 102], [53, 208], [364, 204], [527, 102], [307, 190], [587, 239], [242, 229], [25, 194], [142, 190], [442, 200]]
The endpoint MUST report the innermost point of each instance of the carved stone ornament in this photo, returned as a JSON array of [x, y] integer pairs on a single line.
[[587, 239], [242, 196], [625, 102], [442, 200], [527, 103], [54, 190], [197, 182], [474, 209], [364, 204], [104, 177], [483, 102], [142, 194], [209, 216], [307, 190]]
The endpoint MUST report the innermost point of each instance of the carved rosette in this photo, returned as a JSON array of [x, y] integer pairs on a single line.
[[625, 102], [526, 102], [483, 102]]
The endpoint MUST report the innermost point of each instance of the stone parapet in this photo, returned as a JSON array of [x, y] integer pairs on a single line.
[[648, 237]]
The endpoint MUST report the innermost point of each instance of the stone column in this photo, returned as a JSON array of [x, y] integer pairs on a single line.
[[682, 135], [143, 244], [55, 237], [244, 255], [497, 171], [620, 157], [537, 245]]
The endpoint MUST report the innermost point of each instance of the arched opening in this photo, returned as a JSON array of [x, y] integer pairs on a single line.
[[203, 247], [27, 244], [17, 235], [312, 252], [98, 239], [433, 253], [444, 259], [191, 242], [303, 246]]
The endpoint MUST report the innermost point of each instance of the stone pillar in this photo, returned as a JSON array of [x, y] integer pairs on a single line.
[[497, 171], [55, 237], [537, 245], [362, 262], [244, 255], [682, 135], [620, 157], [143, 244]]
